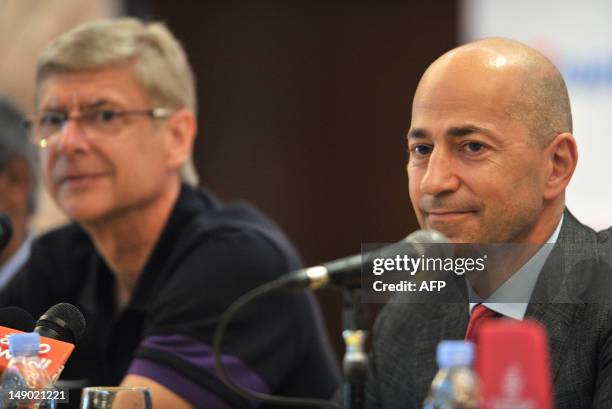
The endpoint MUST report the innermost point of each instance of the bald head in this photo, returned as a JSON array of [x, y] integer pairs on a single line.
[[526, 86]]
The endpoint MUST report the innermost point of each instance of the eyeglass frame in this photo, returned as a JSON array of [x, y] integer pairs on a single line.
[[42, 142]]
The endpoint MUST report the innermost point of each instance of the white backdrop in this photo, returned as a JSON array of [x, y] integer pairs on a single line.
[[577, 37]]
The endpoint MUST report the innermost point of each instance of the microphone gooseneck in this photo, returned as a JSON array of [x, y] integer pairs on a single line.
[[346, 271]]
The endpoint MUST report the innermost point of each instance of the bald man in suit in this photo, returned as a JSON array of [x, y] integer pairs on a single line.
[[491, 154]]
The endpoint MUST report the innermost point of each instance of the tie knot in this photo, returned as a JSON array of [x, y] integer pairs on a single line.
[[480, 314], [483, 312]]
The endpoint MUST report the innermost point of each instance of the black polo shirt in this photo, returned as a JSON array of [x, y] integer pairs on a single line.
[[207, 256]]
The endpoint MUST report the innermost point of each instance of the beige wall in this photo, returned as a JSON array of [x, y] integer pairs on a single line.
[[26, 27]]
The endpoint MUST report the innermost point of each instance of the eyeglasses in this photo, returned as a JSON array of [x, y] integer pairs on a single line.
[[94, 122]]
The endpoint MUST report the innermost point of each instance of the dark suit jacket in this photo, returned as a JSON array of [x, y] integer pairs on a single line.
[[579, 326]]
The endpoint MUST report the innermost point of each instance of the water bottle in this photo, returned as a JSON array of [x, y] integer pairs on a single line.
[[455, 386], [24, 376]]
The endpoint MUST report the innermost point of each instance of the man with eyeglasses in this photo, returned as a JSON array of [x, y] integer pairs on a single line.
[[151, 261]]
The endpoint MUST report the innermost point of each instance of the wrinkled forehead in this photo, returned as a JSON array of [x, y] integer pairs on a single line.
[[71, 90]]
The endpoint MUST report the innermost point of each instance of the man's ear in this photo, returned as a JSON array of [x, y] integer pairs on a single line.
[[562, 155], [181, 128]]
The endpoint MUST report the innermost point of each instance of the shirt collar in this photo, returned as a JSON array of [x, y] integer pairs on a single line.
[[190, 204], [520, 286], [97, 296]]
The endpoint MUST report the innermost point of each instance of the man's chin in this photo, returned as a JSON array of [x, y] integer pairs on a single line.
[[82, 212], [457, 233], [462, 239]]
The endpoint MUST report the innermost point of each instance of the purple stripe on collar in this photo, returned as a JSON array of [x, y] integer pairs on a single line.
[[200, 354], [177, 383]]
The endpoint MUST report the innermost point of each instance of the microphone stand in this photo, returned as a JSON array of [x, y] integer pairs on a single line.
[[355, 362]]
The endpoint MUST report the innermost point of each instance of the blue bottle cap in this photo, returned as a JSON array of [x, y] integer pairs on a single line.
[[455, 353], [27, 344]]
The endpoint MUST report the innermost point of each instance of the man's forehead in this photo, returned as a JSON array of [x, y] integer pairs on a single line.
[[469, 85], [456, 115], [461, 110], [77, 89], [80, 100], [455, 99]]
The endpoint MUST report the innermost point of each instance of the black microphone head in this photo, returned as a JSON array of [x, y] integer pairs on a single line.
[[63, 322], [430, 242], [16, 318], [6, 230]]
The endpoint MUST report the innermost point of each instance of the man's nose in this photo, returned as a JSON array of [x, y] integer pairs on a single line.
[[441, 176], [71, 137]]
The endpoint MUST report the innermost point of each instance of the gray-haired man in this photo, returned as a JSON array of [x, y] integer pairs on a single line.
[[151, 261]]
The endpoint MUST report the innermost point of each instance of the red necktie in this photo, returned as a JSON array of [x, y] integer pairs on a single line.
[[480, 315]]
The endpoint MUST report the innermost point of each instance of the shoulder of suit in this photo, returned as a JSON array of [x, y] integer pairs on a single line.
[[574, 231], [605, 236]]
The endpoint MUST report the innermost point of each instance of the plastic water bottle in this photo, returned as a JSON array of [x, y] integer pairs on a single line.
[[456, 385], [24, 374]]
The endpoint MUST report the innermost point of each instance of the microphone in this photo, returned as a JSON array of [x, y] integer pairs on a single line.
[[63, 322], [513, 363], [60, 328], [346, 272], [15, 320], [6, 230]]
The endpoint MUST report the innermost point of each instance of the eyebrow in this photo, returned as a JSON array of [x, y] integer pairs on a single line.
[[97, 104], [453, 132], [87, 106], [417, 133]]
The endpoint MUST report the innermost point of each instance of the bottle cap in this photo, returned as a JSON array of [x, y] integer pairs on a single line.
[[455, 353], [24, 344]]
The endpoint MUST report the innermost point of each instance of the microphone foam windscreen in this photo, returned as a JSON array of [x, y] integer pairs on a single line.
[[66, 320]]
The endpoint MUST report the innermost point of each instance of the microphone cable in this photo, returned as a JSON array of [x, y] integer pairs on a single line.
[[225, 320]]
